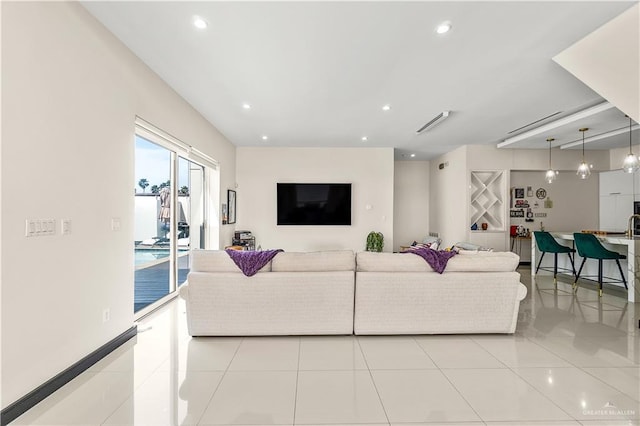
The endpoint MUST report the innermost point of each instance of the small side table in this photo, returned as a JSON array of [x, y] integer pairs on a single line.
[[516, 241]]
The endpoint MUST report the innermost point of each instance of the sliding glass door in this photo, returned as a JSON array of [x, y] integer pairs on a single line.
[[152, 229], [169, 219], [191, 224]]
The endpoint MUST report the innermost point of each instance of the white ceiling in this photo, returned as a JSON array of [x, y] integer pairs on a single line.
[[318, 73]]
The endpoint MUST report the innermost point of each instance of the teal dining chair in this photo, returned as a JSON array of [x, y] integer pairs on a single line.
[[547, 244], [589, 247]]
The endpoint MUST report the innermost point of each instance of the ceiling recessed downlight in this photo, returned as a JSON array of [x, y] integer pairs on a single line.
[[364, 139], [199, 23], [246, 106], [412, 155], [444, 27], [265, 137], [386, 107]]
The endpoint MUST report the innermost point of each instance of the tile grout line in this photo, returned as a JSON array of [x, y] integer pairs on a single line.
[[220, 381], [533, 387], [384, 410], [609, 384], [295, 395], [449, 380], [536, 389], [136, 388]]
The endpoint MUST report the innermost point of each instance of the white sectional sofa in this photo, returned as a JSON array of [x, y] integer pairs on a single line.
[[294, 294], [313, 293], [398, 293]]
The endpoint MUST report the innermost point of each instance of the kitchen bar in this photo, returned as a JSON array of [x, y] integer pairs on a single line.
[[630, 247]]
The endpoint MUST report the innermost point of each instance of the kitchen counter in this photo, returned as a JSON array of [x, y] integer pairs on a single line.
[[619, 243]]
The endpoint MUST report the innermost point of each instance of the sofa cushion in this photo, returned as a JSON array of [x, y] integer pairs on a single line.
[[369, 261], [217, 261], [320, 261], [463, 262], [483, 261]]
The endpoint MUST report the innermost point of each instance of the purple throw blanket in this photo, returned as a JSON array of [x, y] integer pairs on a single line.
[[250, 262], [437, 259]]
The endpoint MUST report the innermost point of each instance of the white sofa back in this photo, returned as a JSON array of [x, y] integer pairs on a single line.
[[320, 261], [216, 261], [465, 261]]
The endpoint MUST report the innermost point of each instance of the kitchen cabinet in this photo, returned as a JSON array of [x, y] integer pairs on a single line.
[[616, 199], [615, 210], [617, 182]]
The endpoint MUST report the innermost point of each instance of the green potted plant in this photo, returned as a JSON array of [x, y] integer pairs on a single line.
[[375, 241]]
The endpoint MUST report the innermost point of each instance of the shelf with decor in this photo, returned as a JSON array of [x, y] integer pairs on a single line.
[[487, 196]]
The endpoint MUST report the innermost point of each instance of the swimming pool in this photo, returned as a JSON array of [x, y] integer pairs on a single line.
[[144, 256]]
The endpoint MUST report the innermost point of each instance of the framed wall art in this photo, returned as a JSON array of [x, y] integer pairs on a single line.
[[231, 205]]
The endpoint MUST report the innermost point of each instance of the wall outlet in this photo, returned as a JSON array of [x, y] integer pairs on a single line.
[[65, 224], [106, 315], [40, 227]]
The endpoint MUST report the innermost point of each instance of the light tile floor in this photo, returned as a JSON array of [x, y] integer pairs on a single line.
[[574, 359]]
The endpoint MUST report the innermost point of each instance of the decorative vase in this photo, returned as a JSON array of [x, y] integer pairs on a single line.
[[485, 226]]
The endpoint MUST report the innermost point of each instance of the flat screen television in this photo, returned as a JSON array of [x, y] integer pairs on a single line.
[[314, 204]]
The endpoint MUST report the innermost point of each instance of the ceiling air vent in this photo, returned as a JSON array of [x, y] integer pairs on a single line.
[[438, 118], [534, 122]]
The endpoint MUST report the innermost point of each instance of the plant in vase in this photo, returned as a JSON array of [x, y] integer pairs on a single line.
[[375, 241]]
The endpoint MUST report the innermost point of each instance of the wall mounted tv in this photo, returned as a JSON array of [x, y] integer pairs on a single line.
[[314, 204]]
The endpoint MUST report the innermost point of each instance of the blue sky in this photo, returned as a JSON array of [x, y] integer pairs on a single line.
[[152, 163]]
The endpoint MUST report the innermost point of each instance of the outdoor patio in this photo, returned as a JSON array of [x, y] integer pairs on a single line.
[[152, 283]]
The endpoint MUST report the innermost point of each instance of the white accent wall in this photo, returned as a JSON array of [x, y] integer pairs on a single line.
[[70, 94], [369, 170], [608, 61], [575, 203], [410, 202], [448, 201], [449, 197]]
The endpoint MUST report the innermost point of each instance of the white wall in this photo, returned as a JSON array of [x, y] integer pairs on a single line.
[[448, 202], [410, 202], [608, 61], [70, 94], [575, 202], [370, 170]]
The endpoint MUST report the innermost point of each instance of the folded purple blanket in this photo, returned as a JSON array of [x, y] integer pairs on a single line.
[[436, 259], [250, 262]]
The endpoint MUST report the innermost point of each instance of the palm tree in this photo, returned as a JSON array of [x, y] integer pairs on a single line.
[[143, 183]]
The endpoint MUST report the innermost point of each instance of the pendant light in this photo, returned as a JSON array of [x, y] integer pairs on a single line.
[[631, 163], [551, 174], [583, 168]]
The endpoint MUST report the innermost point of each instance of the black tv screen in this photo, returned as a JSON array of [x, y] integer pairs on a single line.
[[314, 204]]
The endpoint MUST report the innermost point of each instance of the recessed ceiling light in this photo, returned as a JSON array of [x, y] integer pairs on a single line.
[[413, 155], [443, 28], [265, 137], [199, 23], [386, 107], [246, 106], [364, 139]]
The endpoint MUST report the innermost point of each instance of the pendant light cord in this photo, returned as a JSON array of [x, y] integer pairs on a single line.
[[630, 151]]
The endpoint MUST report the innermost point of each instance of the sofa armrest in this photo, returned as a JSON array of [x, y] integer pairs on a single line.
[[522, 291], [184, 291]]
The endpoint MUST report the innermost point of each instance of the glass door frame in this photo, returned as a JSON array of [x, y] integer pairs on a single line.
[[177, 150]]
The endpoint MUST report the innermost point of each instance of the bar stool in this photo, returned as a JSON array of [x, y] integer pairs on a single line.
[[547, 244], [590, 248]]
